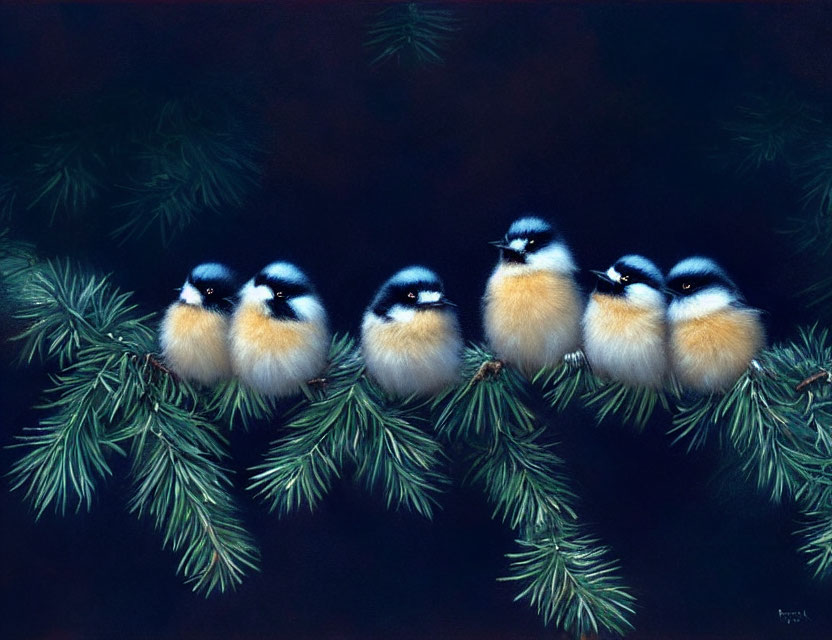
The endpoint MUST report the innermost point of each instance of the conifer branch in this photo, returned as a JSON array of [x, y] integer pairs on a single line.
[[233, 403], [524, 480], [111, 390], [353, 420], [569, 579], [190, 161], [180, 484], [574, 378], [484, 400], [782, 435], [565, 574], [411, 31], [817, 535]]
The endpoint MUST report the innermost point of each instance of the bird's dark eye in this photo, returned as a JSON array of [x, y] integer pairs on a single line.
[[686, 285], [210, 291], [278, 294], [411, 295], [625, 279], [531, 242]]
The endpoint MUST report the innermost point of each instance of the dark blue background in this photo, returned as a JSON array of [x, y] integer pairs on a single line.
[[604, 117]]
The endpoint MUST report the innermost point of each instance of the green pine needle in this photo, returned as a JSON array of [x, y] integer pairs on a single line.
[[781, 433], [411, 31], [111, 390], [67, 454], [572, 378], [66, 309], [768, 129], [193, 161], [234, 403], [352, 420], [180, 484], [525, 481], [492, 396], [66, 173], [635, 405], [568, 577], [817, 534]]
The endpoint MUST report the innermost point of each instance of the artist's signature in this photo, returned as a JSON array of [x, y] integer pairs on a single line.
[[792, 617]]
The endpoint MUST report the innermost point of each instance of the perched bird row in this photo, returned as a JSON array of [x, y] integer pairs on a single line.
[[273, 333]]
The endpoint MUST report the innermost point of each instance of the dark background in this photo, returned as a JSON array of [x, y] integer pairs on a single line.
[[604, 117]]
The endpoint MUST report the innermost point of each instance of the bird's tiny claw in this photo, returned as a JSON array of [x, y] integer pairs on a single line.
[[575, 359]]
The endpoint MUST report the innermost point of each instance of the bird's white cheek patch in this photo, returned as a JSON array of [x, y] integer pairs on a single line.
[[400, 313], [190, 295], [426, 297], [517, 245], [259, 293]]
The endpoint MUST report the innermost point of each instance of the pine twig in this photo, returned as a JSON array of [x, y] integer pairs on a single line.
[[820, 375]]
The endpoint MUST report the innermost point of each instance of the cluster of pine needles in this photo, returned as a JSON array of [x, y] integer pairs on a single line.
[[111, 396], [135, 161]]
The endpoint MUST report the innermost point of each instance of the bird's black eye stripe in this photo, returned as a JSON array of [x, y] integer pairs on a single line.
[[534, 239], [287, 288], [688, 284], [395, 294], [633, 276]]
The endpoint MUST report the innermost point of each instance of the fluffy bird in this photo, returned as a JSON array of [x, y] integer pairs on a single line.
[[194, 330], [532, 306], [714, 335], [279, 336], [624, 327], [410, 337]]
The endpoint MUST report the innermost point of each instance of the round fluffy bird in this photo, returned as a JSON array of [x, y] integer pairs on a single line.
[[624, 328], [714, 335], [279, 336], [532, 306], [194, 331], [410, 337]]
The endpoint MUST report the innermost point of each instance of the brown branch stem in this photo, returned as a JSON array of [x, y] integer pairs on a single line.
[[820, 375], [488, 369]]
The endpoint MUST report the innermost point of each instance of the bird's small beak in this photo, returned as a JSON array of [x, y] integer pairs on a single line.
[[603, 275], [669, 292], [500, 244]]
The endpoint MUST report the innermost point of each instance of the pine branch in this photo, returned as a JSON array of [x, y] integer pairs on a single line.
[[767, 129], [490, 399], [635, 405], [783, 435], [111, 390], [66, 173], [568, 577], [192, 161], [574, 377], [411, 31], [525, 481], [66, 309], [395, 454], [352, 420], [66, 454], [180, 484], [817, 534], [233, 403]]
